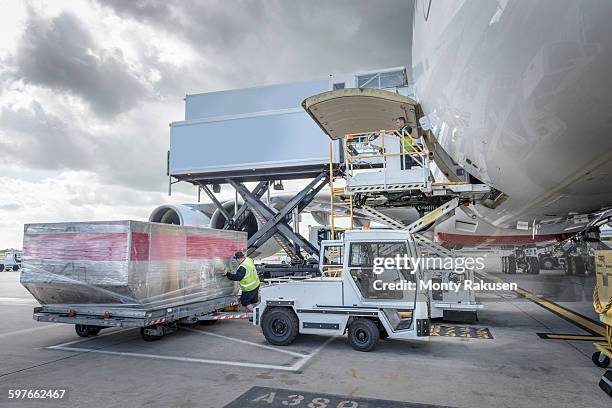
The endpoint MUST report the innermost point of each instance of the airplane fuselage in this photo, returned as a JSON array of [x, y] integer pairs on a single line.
[[519, 93]]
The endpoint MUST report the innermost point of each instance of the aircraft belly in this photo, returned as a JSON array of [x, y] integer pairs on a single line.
[[527, 111]]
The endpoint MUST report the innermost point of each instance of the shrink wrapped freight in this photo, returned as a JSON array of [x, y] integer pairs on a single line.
[[128, 263]]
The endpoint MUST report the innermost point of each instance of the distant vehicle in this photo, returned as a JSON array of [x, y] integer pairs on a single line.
[[11, 261]]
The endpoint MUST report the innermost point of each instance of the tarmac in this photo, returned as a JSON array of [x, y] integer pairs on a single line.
[[229, 364]]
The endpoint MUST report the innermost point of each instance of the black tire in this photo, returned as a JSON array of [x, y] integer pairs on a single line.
[[595, 359], [548, 263], [579, 266], [15, 268], [82, 330], [280, 326], [533, 266], [511, 265], [569, 266], [148, 337], [1, 267], [207, 322], [363, 334]]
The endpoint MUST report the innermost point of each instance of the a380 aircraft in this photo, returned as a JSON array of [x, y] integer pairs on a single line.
[[519, 95]]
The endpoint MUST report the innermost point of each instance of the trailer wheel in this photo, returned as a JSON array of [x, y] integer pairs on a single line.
[[363, 334], [15, 268], [280, 326], [81, 330], [207, 322], [84, 330], [599, 361], [145, 333]]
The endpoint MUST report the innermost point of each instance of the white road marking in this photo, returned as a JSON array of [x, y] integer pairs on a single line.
[[26, 330], [302, 358], [17, 300], [84, 339], [263, 346], [175, 358], [298, 366]]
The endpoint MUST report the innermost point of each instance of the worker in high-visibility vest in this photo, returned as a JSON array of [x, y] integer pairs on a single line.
[[246, 276], [404, 131]]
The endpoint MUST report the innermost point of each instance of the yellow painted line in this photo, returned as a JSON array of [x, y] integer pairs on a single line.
[[568, 314], [553, 307], [574, 337]]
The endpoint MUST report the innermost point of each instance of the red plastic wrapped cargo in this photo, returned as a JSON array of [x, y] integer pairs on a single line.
[[135, 263]]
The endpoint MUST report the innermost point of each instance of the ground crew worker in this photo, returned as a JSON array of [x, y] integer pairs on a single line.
[[246, 276], [405, 133]]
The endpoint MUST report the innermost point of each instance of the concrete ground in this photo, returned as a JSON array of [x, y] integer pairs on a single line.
[[211, 366]]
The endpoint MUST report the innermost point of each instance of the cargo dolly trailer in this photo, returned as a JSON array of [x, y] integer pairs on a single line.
[[154, 324], [128, 274]]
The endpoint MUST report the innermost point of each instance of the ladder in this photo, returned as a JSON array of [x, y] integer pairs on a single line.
[[386, 163], [342, 195], [416, 226], [381, 218]]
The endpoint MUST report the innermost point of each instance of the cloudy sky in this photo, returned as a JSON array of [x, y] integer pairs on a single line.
[[87, 88]]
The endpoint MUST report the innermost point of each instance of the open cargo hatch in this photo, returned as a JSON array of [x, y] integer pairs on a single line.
[[356, 110]]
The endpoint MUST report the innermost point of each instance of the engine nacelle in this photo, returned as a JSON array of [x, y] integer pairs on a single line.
[[251, 225], [190, 215], [217, 220], [181, 214]]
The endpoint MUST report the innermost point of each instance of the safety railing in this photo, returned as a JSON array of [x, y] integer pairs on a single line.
[[372, 150]]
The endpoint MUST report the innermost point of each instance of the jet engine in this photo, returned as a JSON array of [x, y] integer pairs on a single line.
[[198, 215], [181, 214]]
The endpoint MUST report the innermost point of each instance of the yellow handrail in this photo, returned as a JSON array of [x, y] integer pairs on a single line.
[[373, 156], [418, 149]]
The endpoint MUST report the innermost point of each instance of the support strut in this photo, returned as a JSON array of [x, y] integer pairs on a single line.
[[276, 222]]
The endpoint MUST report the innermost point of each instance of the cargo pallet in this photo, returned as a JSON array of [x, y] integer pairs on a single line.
[[154, 323]]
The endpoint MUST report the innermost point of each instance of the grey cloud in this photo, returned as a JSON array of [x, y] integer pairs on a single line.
[[252, 42], [10, 207], [61, 54], [35, 139], [237, 44]]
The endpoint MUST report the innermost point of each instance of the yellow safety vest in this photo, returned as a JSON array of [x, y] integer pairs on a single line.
[[406, 141], [251, 279]]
